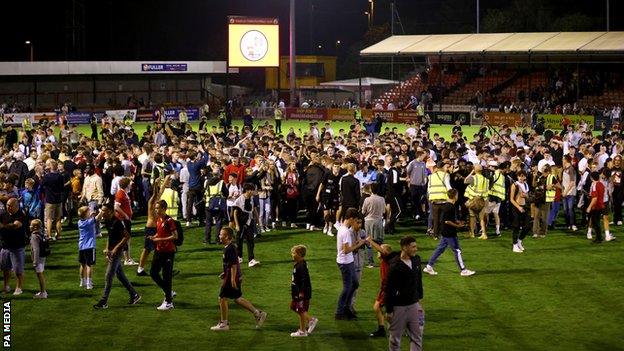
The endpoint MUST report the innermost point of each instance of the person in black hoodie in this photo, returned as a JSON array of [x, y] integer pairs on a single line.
[[314, 175], [403, 293], [301, 292]]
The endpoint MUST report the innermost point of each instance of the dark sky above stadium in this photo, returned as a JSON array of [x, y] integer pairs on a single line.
[[196, 29]]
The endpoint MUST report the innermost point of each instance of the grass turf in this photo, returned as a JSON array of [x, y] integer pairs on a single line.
[[564, 293], [443, 130]]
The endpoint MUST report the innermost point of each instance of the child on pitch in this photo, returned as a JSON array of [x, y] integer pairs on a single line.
[[386, 255], [231, 283], [36, 236], [449, 225], [301, 291], [87, 231]]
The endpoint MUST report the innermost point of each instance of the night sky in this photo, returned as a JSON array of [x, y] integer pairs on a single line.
[[196, 29]]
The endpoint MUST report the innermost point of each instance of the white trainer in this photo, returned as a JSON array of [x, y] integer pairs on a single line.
[[41, 295], [260, 318], [17, 291], [589, 236], [307, 226], [240, 260], [221, 326], [253, 262], [428, 269], [520, 245], [517, 249], [466, 273], [609, 237], [165, 306], [619, 222], [312, 325], [299, 334], [330, 232], [293, 225], [574, 228], [312, 228], [188, 223], [89, 286]]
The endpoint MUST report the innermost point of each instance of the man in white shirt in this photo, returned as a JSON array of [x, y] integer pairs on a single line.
[[31, 161], [547, 160], [344, 259]]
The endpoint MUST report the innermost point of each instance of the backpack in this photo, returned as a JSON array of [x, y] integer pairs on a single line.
[[44, 247], [538, 196], [217, 204], [180, 240]]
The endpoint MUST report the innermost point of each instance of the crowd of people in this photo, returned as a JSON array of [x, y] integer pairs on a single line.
[[358, 184]]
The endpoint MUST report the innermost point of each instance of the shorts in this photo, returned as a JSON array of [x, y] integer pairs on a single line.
[[53, 211], [87, 257], [605, 211], [329, 204], [149, 244], [5, 260], [18, 259], [40, 265], [228, 292], [492, 207], [300, 306]]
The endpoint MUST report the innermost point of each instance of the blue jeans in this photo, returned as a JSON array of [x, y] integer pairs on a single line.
[[568, 209], [265, 211], [444, 242], [113, 268], [554, 211], [349, 286]]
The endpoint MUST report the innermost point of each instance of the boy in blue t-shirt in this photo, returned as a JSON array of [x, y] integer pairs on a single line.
[[87, 225]]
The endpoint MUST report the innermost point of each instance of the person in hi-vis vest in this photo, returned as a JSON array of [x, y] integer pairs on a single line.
[[478, 186], [549, 183], [438, 184], [496, 194]]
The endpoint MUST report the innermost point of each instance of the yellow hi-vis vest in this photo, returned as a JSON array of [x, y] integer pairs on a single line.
[[498, 188], [171, 198], [436, 188], [550, 194], [26, 125], [357, 114], [212, 191], [479, 187], [278, 114]]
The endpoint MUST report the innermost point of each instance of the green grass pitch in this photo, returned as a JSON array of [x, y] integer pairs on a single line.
[[564, 293]]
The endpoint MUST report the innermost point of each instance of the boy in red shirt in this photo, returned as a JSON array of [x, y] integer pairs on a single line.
[[164, 240], [385, 255], [596, 206], [123, 212]]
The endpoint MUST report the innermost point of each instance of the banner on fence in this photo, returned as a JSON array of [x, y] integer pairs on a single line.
[[173, 114], [306, 113], [501, 118], [340, 114], [17, 118], [78, 117], [555, 121], [120, 115]]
